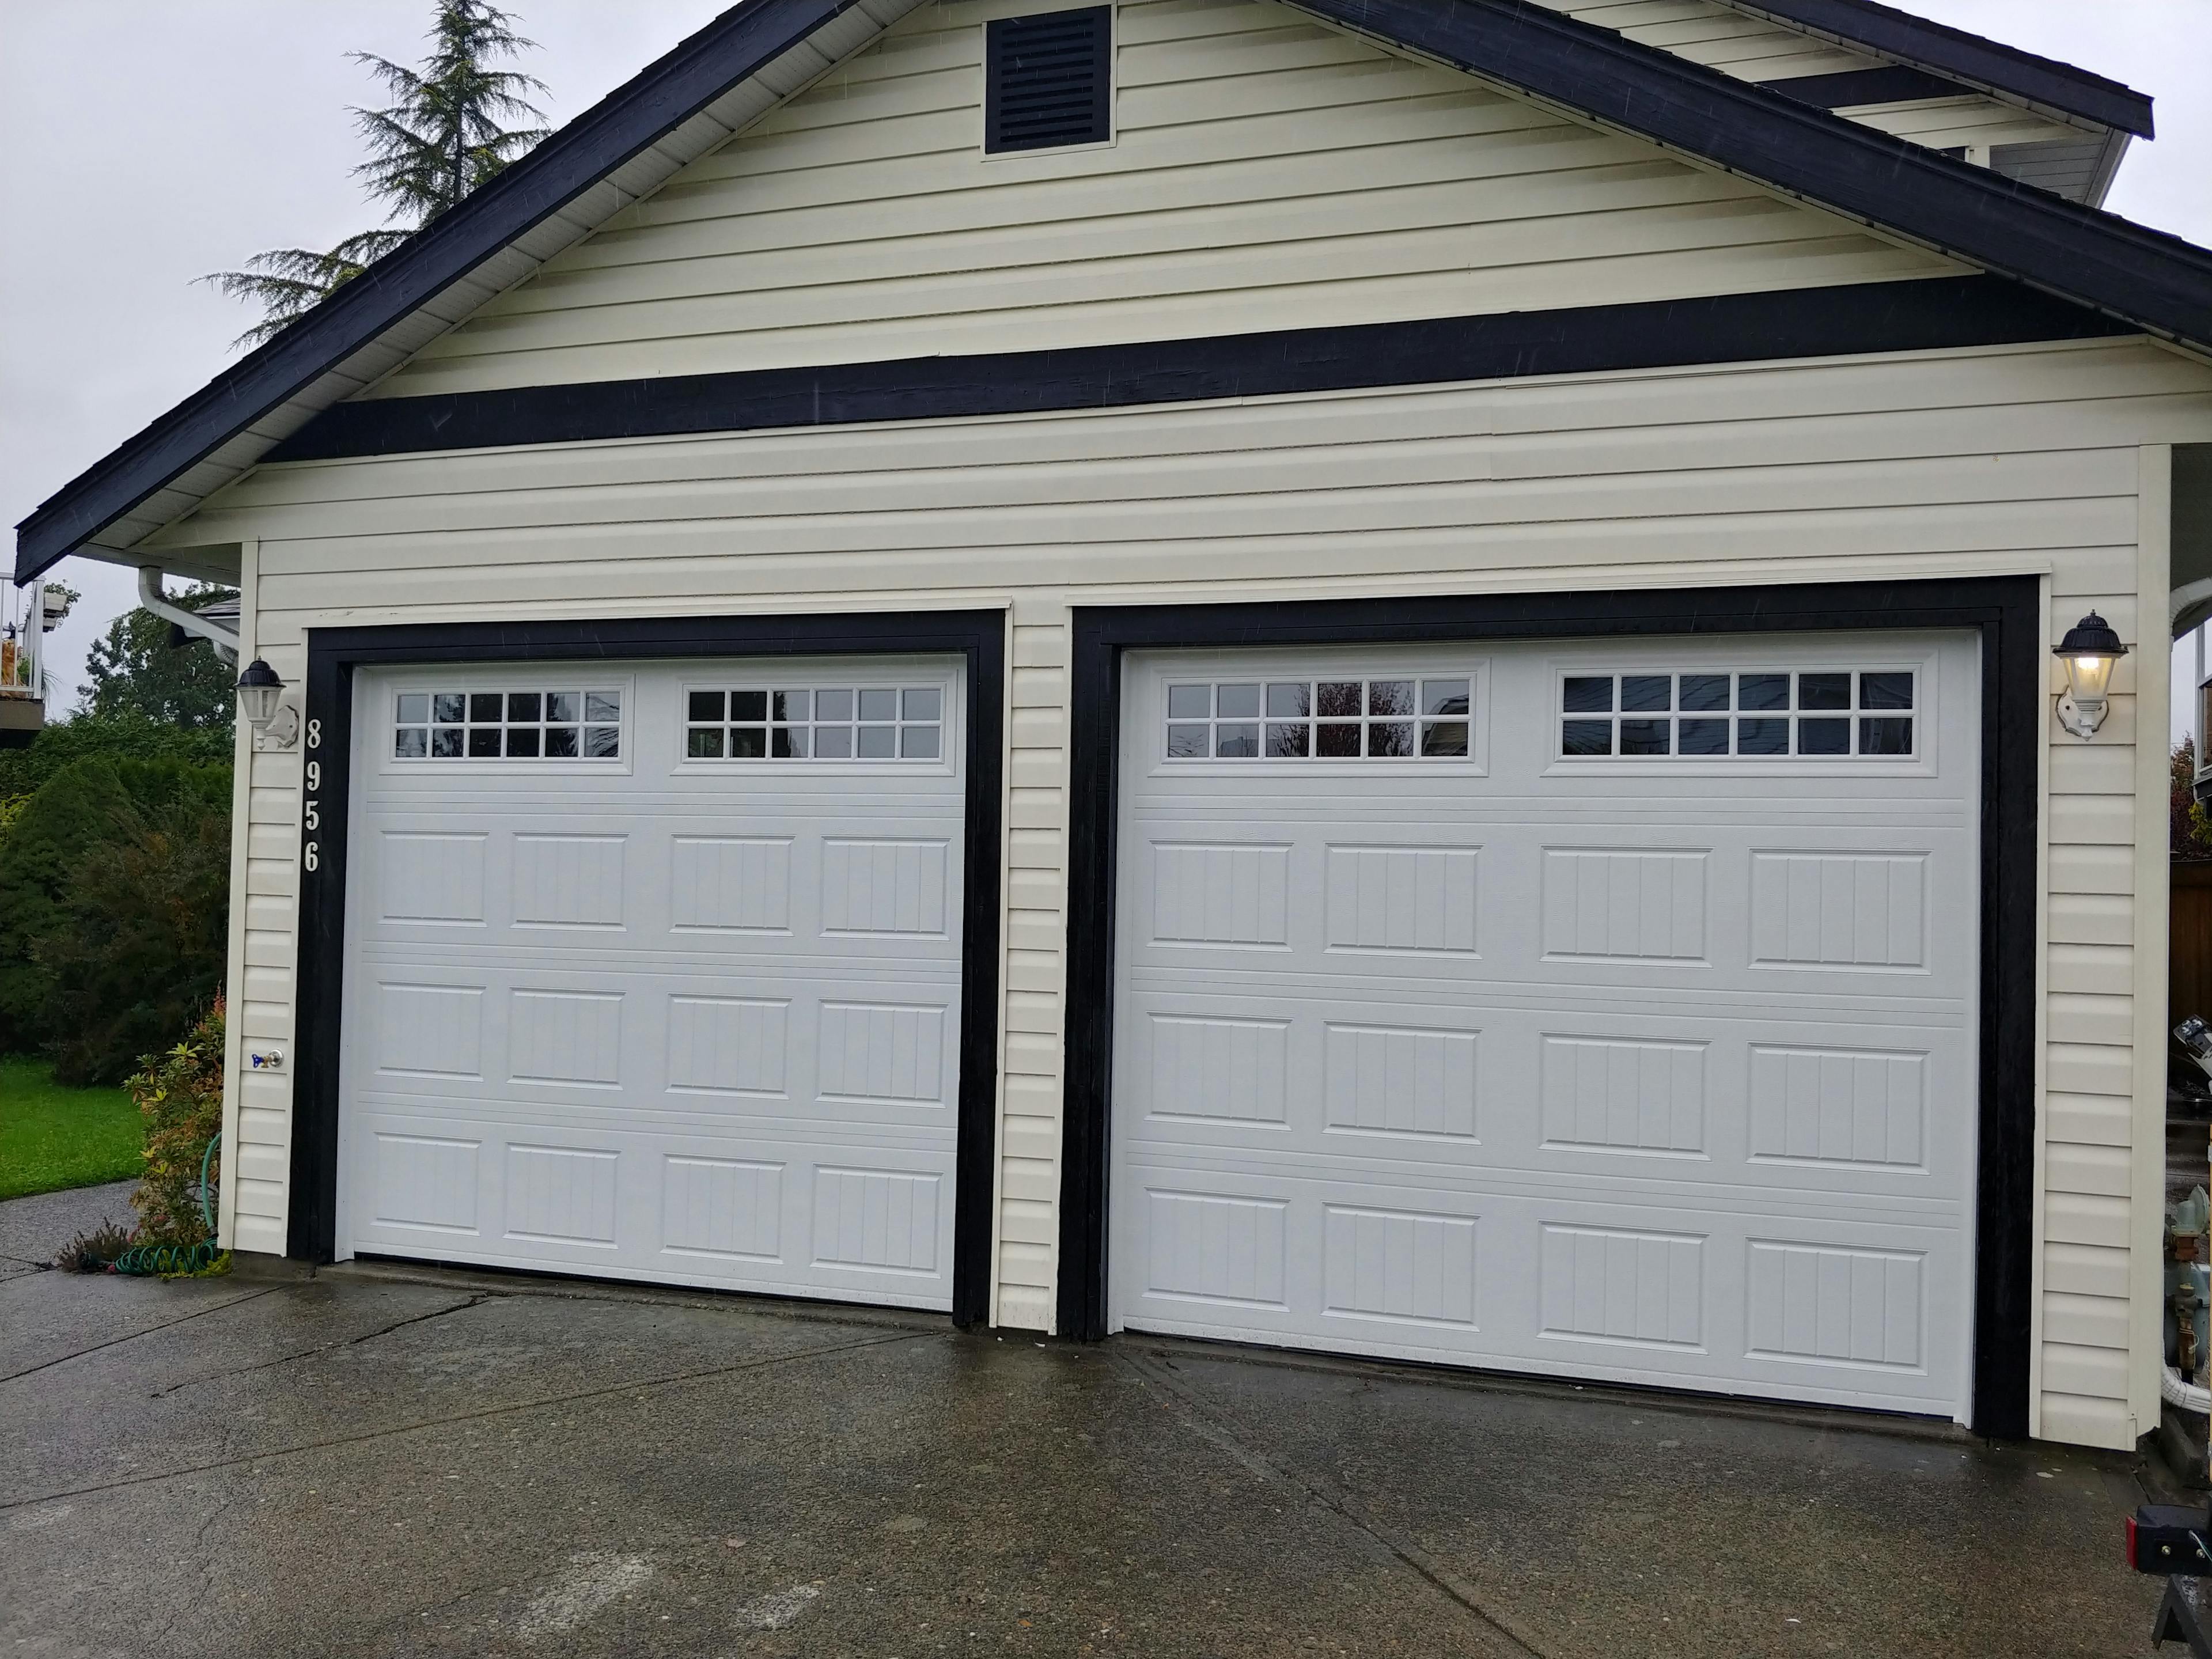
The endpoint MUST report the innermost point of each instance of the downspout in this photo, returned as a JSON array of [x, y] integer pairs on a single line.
[[150, 596]]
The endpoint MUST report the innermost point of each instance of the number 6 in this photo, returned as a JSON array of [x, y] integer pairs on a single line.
[[307, 856]]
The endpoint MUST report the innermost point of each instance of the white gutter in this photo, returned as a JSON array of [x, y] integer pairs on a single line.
[[150, 596]]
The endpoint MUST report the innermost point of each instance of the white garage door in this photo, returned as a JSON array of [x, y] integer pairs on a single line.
[[653, 971], [1600, 1009]]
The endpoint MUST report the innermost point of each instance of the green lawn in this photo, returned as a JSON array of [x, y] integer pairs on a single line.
[[51, 1137]]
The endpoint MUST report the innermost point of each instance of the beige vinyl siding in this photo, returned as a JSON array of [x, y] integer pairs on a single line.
[[2002, 460], [1268, 172], [1752, 49]]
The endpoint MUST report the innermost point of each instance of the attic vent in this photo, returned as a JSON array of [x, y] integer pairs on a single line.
[[1047, 79]]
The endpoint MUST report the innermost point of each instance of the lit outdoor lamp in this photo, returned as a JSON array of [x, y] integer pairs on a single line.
[[2090, 652], [275, 725]]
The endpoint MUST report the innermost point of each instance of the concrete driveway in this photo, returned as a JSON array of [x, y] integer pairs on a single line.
[[383, 1463]]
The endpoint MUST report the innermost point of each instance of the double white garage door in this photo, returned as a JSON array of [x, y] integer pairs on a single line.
[[1595, 1009]]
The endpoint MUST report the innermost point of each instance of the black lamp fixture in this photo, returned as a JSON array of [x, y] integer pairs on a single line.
[[2090, 651], [261, 699]]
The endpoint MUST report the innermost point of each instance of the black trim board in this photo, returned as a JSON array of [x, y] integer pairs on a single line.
[[1930, 313], [1890, 33], [2005, 610], [1893, 85], [334, 655]]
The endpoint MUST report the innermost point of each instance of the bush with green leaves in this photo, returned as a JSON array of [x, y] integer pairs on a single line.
[[126, 736], [180, 1093], [114, 913]]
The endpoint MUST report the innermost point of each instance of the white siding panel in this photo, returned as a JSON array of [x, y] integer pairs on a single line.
[[1268, 171]]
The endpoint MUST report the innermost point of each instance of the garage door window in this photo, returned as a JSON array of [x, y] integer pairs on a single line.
[[1826, 713], [888, 722], [538, 724], [1320, 720]]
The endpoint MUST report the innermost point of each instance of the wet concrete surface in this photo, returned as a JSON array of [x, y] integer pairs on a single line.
[[410, 1464], [31, 1230]]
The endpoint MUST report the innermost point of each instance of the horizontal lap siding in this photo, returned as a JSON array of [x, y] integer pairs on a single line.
[[1998, 460], [1268, 172], [1750, 49]]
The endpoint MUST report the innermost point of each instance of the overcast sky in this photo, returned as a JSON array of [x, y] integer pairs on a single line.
[[201, 132]]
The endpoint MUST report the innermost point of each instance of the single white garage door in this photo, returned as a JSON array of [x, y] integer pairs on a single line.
[[1600, 1009], [653, 970]]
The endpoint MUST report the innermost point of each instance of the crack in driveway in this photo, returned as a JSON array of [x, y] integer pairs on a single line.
[[151, 1330], [1209, 1425], [477, 1300], [628, 1387]]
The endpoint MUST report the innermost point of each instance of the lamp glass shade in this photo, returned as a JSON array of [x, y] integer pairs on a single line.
[[2091, 650], [259, 688]]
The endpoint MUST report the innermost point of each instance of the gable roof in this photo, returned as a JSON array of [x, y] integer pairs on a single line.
[[721, 78], [1969, 59]]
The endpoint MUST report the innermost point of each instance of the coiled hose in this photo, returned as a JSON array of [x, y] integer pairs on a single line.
[[145, 1260]]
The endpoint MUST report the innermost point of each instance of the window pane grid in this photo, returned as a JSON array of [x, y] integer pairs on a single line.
[[1823, 713], [826, 723], [536, 725], [1398, 718]]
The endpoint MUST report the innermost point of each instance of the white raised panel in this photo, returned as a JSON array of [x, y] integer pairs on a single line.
[[1601, 904], [1229, 1071], [884, 1219], [1608, 1285], [727, 1208], [1863, 910], [882, 1052], [1231, 894], [423, 1180], [432, 877], [729, 883], [569, 881], [1215, 1247], [1835, 1305], [1849, 1108], [561, 1194], [883, 887], [429, 1030], [1620, 1095], [1400, 1080], [1398, 1265], [1419, 899], [566, 1036], [727, 1045]]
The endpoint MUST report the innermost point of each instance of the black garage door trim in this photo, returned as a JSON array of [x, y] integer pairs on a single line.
[[333, 655], [2003, 610]]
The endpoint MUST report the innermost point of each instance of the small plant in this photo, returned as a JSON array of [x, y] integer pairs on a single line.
[[95, 1252], [2192, 825], [179, 1094]]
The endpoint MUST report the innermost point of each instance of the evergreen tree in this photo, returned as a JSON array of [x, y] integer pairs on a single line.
[[134, 672], [442, 137]]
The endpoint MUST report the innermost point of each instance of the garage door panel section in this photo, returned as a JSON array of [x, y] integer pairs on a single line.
[[1653, 1067], [662, 1013]]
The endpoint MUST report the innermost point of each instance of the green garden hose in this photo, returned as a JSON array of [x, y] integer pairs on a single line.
[[147, 1261]]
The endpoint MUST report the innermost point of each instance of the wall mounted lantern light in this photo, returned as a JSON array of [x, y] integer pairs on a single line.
[[2090, 651], [275, 725]]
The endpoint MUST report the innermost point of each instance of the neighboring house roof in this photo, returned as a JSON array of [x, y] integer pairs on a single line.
[[738, 66], [1967, 59]]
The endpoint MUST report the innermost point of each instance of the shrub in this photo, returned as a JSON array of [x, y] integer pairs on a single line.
[[179, 1094], [2192, 825], [122, 737], [95, 1252], [114, 906]]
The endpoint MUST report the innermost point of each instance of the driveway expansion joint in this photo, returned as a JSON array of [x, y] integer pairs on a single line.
[[1211, 1426], [477, 1300], [151, 1330]]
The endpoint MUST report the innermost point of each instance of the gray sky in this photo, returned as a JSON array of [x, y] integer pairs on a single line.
[[212, 129]]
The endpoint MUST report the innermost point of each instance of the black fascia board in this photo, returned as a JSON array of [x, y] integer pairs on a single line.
[[1893, 83], [1974, 58], [649, 105], [2158, 281], [1926, 314]]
